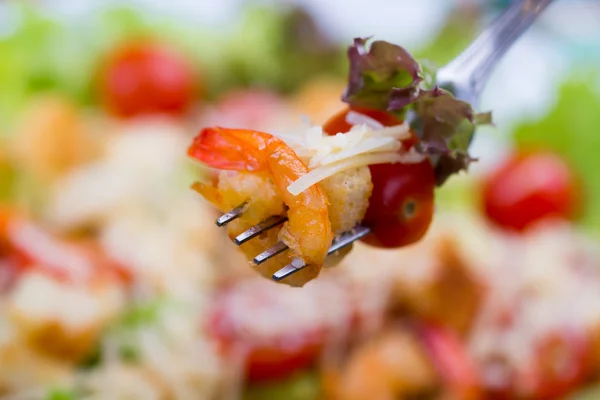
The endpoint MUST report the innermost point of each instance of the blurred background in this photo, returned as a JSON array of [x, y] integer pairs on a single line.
[[115, 283]]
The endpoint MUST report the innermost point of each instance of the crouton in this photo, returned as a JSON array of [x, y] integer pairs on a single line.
[[348, 193]]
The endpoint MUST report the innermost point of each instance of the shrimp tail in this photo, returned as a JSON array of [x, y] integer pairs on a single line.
[[228, 149]]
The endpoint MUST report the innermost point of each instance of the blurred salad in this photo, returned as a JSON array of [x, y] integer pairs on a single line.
[[40, 53]]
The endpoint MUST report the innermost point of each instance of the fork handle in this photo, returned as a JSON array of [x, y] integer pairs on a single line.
[[474, 65]]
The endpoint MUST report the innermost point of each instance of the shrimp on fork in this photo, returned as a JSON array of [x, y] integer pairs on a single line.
[[264, 167]]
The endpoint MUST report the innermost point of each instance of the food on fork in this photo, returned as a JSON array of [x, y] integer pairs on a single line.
[[308, 230], [366, 173]]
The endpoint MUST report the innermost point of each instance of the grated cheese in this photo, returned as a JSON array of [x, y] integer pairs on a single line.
[[325, 171], [366, 143], [354, 118]]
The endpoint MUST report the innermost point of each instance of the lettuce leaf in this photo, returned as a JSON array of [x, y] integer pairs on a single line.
[[386, 77]]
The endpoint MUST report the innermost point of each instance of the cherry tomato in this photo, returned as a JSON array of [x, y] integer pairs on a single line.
[[339, 124], [527, 188], [143, 78], [271, 328], [401, 205], [561, 364]]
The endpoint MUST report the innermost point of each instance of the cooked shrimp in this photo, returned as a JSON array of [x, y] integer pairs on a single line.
[[308, 230]]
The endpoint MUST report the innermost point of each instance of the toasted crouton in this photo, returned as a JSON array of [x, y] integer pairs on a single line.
[[392, 365], [348, 193], [450, 294]]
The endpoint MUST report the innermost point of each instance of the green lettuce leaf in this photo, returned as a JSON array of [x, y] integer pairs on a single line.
[[386, 77]]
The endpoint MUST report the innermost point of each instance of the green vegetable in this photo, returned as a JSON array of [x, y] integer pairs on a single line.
[[141, 314], [387, 77], [304, 386], [458, 194], [136, 317], [61, 394], [571, 129], [279, 48], [123, 333], [44, 55], [590, 393], [93, 360], [8, 178]]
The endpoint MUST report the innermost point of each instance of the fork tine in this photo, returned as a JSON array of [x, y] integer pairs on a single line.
[[288, 270], [256, 230], [231, 215], [348, 237], [272, 251], [340, 242]]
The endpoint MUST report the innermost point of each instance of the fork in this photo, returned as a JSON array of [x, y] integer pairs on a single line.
[[464, 77]]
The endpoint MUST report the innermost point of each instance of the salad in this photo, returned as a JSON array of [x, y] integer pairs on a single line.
[[363, 166], [115, 282]]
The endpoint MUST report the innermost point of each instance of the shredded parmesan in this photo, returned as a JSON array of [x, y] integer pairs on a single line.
[[354, 118], [323, 172], [367, 142]]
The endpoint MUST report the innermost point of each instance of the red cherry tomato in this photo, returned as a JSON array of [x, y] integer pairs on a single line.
[[401, 205], [146, 78], [562, 363], [273, 329], [528, 188]]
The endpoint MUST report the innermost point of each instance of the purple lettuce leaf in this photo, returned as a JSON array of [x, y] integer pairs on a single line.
[[386, 77]]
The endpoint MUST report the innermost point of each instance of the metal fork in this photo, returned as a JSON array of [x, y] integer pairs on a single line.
[[464, 77]]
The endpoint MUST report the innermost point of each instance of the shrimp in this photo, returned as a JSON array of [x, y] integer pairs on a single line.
[[308, 231]]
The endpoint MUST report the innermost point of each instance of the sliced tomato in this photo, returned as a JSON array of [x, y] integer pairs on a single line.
[[401, 205], [273, 328], [530, 187], [145, 77], [457, 369]]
